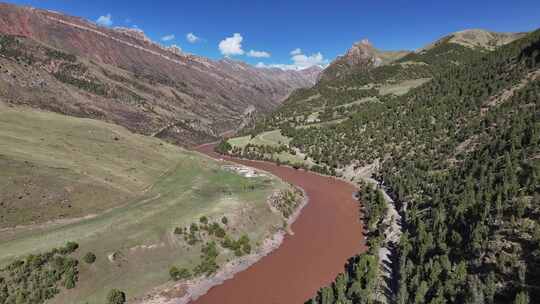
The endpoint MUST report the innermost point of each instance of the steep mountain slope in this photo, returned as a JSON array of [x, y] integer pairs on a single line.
[[363, 56], [363, 76], [121, 76], [459, 156]]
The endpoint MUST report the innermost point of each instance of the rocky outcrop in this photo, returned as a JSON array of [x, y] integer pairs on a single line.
[[361, 56]]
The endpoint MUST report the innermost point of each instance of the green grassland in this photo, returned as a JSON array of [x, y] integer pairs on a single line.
[[272, 138], [56, 166], [112, 191], [402, 87]]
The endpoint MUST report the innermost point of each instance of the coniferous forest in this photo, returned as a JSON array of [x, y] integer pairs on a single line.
[[460, 157]]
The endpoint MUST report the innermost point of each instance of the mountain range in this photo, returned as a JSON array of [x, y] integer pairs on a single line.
[[73, 66], [363, 55], [442, 143]]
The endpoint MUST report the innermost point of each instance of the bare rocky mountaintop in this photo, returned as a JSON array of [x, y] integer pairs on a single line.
[[361, 56], [72, 66]]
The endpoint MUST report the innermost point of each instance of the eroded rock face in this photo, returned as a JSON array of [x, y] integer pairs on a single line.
[[362, 56], [122, 76], [364, 53]]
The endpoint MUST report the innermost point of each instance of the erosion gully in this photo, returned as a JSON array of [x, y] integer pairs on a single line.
[[326, 234]]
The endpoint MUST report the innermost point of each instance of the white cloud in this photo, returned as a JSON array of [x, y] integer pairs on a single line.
[[192, 38], [276, 66], [232, 45], [168, 37], [105, 20], [258, 54], [296, 51], [299, 60], [303, 61]]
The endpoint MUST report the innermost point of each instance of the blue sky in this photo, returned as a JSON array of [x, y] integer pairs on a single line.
[[317, 30]]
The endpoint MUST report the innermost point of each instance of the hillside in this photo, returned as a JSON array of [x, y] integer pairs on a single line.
[[478, 38], [352, 80], [137, 204], [72, 66], [363, 56], [451, 133]]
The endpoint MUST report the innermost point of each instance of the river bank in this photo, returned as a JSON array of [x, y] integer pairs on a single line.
[[195, 288], [326, 233]]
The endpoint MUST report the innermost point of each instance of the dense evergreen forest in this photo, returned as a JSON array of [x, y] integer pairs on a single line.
[[460, 156]]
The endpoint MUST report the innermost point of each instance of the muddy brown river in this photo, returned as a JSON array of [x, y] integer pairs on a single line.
[[326, 234]]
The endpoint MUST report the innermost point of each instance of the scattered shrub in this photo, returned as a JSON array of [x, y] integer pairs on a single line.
[[89, 258], [116, 296], [208, 264], [179, 274], [69, 248]]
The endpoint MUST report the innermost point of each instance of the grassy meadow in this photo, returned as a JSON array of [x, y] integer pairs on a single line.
[[120, 196], [272, 138]]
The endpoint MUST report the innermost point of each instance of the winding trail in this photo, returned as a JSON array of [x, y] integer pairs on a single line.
[[326, 234]]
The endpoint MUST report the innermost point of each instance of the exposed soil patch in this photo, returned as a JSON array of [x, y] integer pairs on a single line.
[[326, 234]]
